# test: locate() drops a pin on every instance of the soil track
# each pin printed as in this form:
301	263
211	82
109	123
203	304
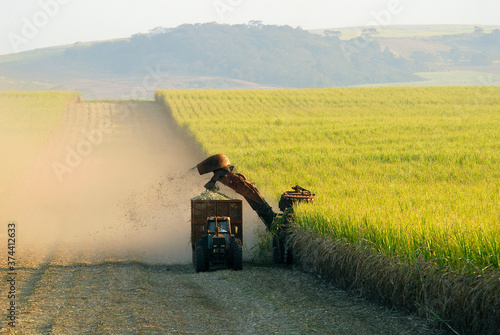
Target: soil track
136	298
102	215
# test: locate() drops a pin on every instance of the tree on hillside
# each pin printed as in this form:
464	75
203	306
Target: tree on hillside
369	32
334	33
422	60
455	54
480	59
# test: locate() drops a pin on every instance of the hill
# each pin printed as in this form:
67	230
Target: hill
242	55
436	47
258	56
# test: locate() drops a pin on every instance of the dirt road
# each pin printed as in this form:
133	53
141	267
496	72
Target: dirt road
135	298
102	226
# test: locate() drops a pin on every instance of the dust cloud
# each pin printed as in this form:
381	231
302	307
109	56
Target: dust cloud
113	183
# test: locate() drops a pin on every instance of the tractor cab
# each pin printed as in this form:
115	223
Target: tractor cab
217	225
218	237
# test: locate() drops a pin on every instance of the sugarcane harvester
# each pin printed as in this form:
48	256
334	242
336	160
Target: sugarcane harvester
276	223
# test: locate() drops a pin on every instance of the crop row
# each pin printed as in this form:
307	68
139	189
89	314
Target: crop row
411	172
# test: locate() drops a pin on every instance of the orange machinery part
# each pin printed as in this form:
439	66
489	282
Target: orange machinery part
213	163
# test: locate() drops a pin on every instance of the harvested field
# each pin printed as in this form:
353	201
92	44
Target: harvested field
136	298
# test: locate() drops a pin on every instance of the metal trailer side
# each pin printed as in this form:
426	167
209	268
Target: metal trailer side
202	209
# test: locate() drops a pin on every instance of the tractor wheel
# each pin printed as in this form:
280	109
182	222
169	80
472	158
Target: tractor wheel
277	254
288	256
237	255
229	256
201	257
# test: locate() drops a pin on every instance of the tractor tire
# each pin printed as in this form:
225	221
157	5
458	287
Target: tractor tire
201	256
229	256
277	254
237	255
288	256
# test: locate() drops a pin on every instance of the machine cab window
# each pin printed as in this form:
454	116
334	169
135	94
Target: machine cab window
222	224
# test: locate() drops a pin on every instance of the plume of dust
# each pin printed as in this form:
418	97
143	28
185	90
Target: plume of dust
149	224
129	200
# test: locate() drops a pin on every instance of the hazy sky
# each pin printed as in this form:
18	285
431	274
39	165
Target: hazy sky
31	24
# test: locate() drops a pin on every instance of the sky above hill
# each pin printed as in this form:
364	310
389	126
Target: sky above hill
31	24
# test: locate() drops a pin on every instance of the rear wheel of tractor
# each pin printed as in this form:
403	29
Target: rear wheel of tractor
237	255
201	257
194	256
288	255
277	255
229	255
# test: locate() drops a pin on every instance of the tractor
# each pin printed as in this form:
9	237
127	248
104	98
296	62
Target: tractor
226	250
218	246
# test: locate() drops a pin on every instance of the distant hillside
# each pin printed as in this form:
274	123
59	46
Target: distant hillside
408	31
258	56
278	56
435	47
